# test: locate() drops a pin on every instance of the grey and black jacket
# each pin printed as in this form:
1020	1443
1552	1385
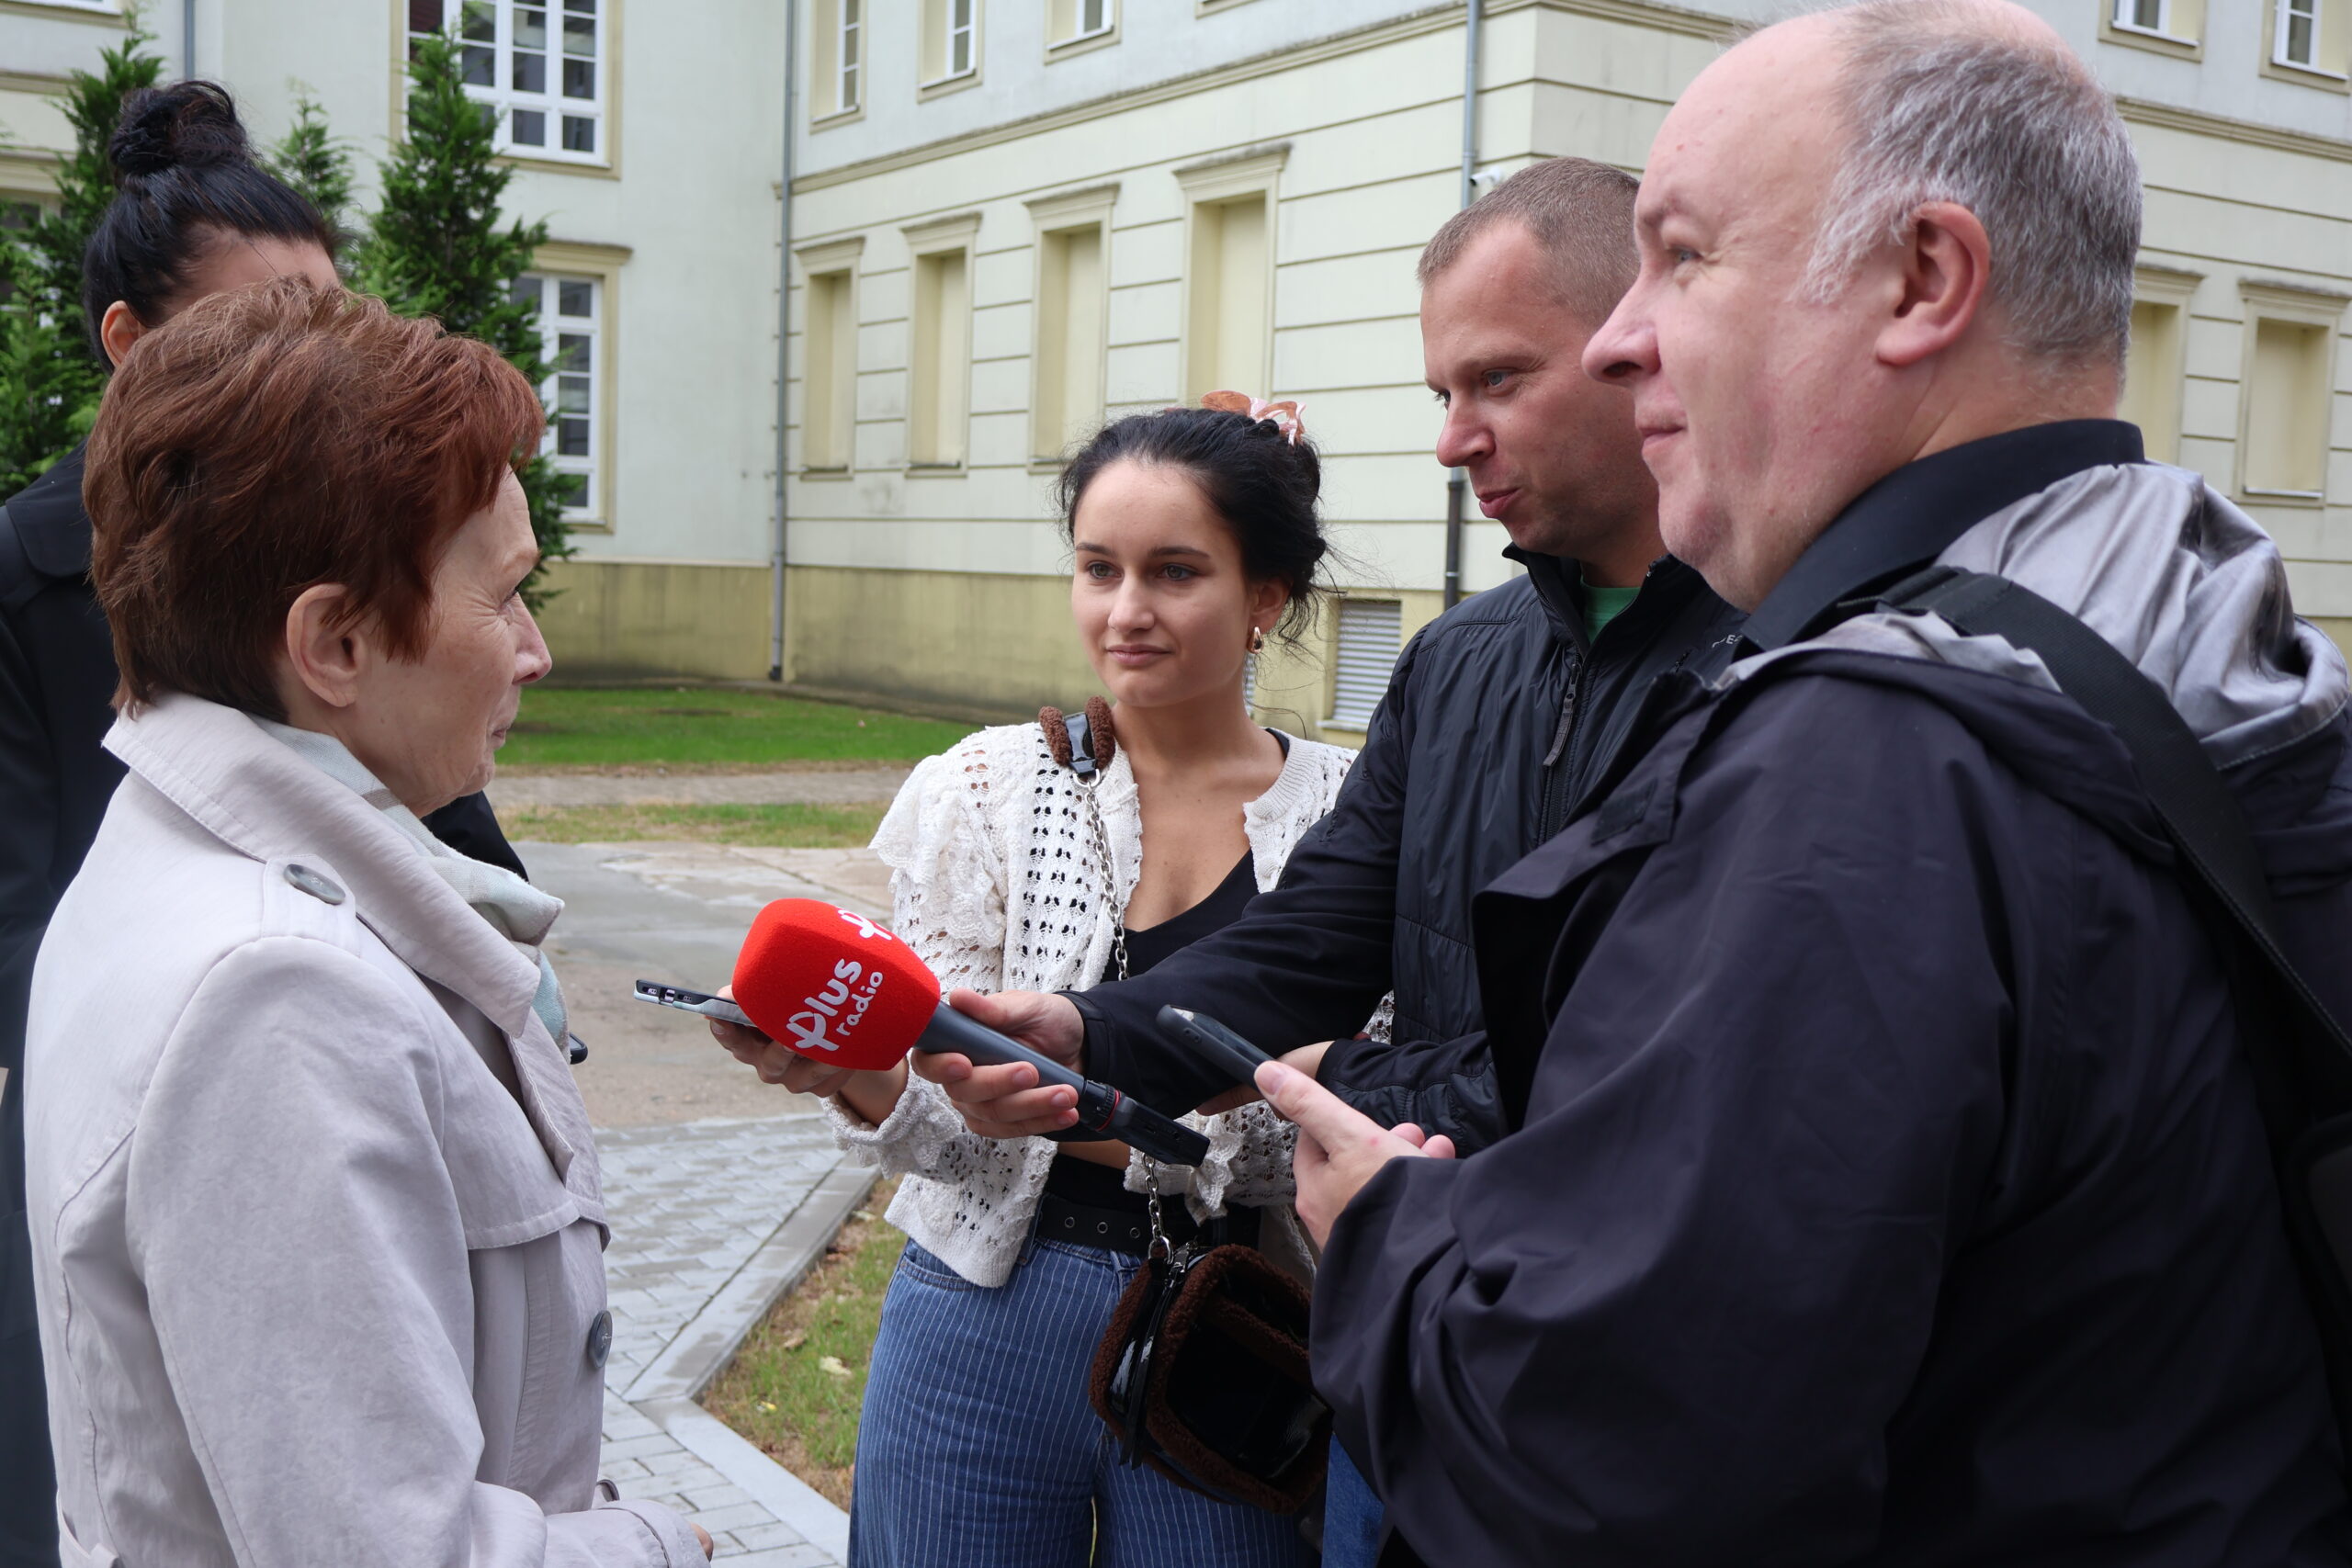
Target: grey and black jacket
1885	1181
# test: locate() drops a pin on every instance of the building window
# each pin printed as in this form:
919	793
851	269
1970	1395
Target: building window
2156	368
837	64
1230	273
2299	33
2311	38
1076	21
2165	27
828	374
1227	323
951	39
1072	303
1369	639
940	368
2286	398
571	330
539	62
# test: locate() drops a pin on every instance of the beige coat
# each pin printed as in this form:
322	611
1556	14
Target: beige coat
317	1231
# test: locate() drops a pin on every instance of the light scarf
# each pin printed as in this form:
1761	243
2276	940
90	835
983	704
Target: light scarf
515	909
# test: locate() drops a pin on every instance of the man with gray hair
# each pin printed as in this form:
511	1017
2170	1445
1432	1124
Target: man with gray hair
1887	1181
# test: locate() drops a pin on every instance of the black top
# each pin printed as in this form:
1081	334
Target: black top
1148	946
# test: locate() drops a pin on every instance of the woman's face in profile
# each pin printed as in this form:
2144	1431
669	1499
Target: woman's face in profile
1162	600
431	726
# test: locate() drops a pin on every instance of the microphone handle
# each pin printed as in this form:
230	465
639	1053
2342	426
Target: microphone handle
1101	1109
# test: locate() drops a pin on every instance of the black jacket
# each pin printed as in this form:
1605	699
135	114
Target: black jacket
1498	715
1886	1185
57	684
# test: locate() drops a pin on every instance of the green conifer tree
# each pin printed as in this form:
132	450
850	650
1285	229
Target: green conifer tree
435	246
51	375
318	166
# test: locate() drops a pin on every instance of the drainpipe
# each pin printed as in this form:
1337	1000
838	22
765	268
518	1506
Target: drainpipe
1457	485
783	337
187	39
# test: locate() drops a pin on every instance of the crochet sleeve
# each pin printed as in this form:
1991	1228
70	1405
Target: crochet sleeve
947	903
947	877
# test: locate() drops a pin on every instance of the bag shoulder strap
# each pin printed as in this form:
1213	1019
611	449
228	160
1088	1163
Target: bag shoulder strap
2200	814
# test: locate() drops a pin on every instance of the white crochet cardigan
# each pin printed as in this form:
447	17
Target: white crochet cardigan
997	883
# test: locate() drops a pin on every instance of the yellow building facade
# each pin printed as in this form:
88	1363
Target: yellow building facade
1010	220
1253	221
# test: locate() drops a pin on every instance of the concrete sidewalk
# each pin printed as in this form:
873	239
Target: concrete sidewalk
712	1222
722	1191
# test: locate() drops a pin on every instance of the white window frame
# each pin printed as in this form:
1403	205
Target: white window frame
941	34
849	56
1067	29
2288	15
594	405
554	107
2118	17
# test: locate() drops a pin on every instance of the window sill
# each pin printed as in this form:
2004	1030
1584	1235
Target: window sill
934	470
2178	48
824	473
91	14
1347	724
947	84
1085	43
2310	499
2314	76
850	116
558	167
587	525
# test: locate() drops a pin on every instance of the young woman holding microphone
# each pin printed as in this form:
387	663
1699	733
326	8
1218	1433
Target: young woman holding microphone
1194	535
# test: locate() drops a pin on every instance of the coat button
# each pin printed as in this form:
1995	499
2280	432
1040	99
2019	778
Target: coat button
324	888
600	1340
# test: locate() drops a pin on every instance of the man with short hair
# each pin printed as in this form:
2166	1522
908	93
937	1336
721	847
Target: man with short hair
1498	718
1886	1183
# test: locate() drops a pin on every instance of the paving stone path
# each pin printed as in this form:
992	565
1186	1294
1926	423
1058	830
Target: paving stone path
711	1222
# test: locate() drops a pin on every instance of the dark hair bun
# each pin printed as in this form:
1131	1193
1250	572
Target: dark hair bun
186	125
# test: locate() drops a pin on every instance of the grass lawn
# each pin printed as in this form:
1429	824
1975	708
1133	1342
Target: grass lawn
783	827
686	725
795	1386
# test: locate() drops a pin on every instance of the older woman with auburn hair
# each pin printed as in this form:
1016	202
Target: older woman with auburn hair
316	1224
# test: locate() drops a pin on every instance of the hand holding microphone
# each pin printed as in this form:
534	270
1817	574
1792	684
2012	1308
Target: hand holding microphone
832	986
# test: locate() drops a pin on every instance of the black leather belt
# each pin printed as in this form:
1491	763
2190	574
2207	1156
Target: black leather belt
1129	1230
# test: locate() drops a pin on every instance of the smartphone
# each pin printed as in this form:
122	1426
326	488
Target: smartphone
684	1000
1214	1042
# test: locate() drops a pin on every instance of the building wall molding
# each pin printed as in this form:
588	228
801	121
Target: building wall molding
1072	208
2195	122
117	20
1438	18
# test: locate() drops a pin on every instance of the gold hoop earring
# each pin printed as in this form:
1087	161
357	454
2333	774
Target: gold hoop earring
1257	639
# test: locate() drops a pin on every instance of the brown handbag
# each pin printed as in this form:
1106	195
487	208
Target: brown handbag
1203	1375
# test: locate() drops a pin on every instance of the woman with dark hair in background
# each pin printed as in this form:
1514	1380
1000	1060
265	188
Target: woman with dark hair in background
194	216
1194	535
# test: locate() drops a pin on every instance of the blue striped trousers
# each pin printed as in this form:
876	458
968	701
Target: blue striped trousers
978	1446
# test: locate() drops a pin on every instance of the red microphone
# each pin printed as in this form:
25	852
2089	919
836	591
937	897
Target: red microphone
831	985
